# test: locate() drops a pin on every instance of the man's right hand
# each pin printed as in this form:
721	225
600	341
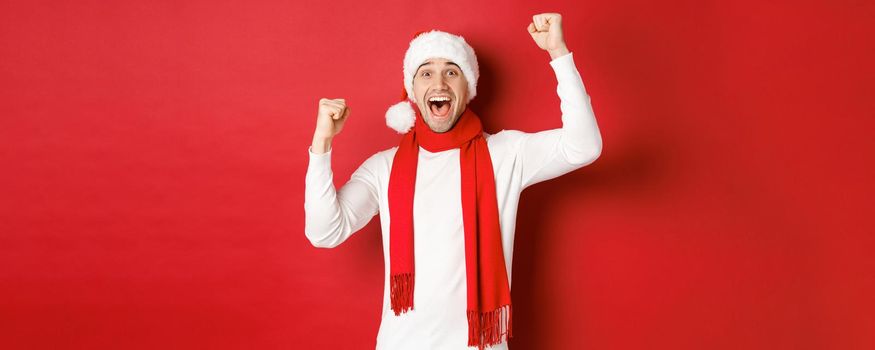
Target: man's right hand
331	117
329	121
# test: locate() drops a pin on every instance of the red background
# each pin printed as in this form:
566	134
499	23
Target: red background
153	159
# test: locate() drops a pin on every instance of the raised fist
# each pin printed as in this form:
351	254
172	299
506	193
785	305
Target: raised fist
331	117
546	31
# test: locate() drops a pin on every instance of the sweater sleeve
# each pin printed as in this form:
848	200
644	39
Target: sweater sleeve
332	216
550	153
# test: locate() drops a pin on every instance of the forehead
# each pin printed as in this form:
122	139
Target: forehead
437	62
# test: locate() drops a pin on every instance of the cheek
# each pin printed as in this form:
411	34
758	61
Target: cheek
461	89
419	90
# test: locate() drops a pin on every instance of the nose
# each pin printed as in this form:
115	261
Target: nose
441	82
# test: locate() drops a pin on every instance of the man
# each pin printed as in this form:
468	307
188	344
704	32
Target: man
448	193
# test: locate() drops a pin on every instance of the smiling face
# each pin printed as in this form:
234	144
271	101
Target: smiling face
441	93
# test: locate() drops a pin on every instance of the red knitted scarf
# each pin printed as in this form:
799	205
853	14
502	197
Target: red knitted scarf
489	307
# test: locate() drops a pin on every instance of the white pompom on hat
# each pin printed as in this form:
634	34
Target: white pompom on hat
432	44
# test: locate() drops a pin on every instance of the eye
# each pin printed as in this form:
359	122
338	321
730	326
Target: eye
425	74
452	72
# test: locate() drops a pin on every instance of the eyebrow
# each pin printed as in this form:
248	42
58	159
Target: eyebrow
430	62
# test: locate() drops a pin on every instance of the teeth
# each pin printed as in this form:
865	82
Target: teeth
438	98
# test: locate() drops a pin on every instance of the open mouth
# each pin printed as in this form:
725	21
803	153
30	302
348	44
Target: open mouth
439	106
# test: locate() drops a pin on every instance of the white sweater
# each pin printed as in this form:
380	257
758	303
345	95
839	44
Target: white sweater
519	159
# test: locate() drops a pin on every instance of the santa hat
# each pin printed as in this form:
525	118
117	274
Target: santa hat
425	45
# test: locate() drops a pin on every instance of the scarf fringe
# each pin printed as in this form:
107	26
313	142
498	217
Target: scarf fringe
402	293
491	327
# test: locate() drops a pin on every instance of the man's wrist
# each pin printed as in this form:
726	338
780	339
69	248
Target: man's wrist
559	52
321	144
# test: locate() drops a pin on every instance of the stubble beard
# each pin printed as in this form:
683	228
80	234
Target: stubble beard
440	126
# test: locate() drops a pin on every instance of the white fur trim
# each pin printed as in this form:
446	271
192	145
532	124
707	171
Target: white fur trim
401	117
441	45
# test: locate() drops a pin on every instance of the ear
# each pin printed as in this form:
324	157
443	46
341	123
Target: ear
401	117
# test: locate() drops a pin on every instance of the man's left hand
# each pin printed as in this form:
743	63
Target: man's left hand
546	31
